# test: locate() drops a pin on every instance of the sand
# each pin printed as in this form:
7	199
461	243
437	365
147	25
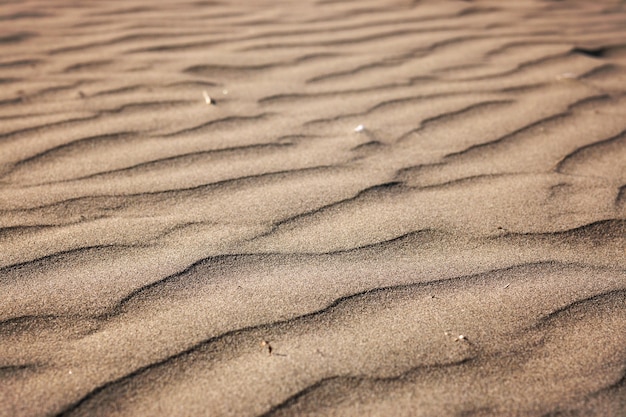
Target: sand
349	208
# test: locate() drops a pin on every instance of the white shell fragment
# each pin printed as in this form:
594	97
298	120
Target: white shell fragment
207	98
359	128
566	76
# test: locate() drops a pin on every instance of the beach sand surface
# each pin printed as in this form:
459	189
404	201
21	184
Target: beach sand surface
312	208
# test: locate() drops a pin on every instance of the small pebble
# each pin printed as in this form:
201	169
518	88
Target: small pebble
267	345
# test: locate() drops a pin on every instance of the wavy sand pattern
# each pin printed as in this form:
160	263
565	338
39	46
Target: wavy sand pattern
464	254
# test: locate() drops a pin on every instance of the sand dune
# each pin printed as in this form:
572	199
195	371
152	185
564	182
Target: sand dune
317	208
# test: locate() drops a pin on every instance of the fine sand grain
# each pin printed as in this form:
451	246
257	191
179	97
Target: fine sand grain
321	207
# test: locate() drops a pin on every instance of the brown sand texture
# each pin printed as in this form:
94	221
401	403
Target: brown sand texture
312	208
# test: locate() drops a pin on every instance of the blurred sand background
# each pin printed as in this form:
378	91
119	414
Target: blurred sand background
322	207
